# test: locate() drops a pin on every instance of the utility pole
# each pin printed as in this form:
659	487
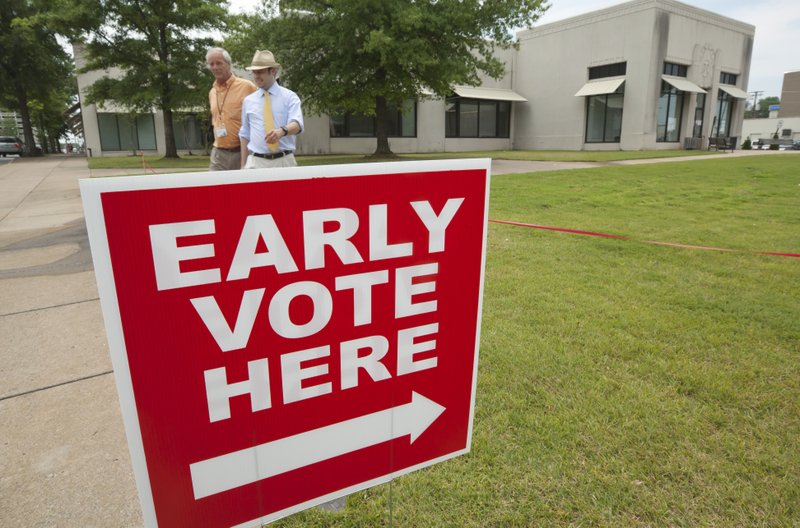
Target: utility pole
755	99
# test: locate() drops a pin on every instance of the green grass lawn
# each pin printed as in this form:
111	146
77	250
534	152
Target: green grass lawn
201	162
156	162
623	383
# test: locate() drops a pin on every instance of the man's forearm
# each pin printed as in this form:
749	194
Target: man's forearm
293	127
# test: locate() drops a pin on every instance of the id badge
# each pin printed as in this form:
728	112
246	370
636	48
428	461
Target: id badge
221	132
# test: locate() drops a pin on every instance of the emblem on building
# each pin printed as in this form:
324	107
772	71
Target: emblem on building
704	60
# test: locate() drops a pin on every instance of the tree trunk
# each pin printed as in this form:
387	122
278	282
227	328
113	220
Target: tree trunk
381	127
27	129
44	141
171	151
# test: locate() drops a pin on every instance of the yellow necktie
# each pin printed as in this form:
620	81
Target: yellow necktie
269	123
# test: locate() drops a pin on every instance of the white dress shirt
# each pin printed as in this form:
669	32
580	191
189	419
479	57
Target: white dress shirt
285	109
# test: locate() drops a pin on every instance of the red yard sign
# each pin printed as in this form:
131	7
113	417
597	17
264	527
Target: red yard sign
284	337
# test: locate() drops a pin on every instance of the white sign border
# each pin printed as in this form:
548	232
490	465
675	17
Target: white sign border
91	191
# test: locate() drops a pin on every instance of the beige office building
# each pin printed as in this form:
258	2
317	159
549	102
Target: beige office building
790	95
646	74
641	75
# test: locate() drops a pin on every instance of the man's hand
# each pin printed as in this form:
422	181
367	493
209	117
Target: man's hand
274	135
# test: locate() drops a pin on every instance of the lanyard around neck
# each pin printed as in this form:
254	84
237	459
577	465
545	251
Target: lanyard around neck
227	91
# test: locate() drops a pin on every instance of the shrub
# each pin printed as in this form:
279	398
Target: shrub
747	145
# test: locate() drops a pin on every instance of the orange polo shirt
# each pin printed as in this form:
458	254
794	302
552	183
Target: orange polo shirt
226	109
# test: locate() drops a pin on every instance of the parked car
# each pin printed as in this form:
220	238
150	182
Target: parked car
10	145
795	145
782	144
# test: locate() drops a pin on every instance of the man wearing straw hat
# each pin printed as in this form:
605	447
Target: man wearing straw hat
271	118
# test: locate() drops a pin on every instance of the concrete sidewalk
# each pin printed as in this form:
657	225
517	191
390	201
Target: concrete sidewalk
63	454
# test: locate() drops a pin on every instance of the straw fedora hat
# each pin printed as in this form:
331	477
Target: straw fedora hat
263	59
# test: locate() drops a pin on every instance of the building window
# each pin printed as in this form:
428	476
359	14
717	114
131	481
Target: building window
604	117
477	118
617	69
188	131
604	111
676	70
670	107
728	78
126	132
699	112
786	133
402	122
670	110
722	123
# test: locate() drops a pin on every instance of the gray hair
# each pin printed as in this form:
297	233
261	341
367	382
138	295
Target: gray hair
225	55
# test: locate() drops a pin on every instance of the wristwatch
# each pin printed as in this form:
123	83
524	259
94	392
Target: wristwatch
285	131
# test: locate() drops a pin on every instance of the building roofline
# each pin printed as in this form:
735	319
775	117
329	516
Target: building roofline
636	6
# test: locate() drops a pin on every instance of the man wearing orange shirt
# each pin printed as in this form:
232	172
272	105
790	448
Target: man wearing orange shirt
225	98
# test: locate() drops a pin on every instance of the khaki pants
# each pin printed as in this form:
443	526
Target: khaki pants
254	162
225	160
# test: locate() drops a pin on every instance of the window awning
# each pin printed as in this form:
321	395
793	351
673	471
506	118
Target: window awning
493	94
601	87
733	91
682	84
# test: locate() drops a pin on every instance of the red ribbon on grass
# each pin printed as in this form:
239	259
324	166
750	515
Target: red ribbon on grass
621	237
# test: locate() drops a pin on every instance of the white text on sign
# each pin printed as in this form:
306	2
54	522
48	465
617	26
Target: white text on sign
365	354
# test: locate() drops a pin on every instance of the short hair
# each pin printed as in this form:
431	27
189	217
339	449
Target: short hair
225	55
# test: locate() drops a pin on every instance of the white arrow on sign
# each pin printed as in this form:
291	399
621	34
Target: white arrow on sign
246	466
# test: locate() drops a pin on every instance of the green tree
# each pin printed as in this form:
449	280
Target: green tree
49	112
765	103
36	71
363	56
761	110
156	44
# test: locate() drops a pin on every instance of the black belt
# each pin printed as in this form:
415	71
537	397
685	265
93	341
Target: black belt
237	149
273	156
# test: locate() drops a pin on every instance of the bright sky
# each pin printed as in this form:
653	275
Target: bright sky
776	46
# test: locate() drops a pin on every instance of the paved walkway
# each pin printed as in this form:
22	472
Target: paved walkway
63	455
